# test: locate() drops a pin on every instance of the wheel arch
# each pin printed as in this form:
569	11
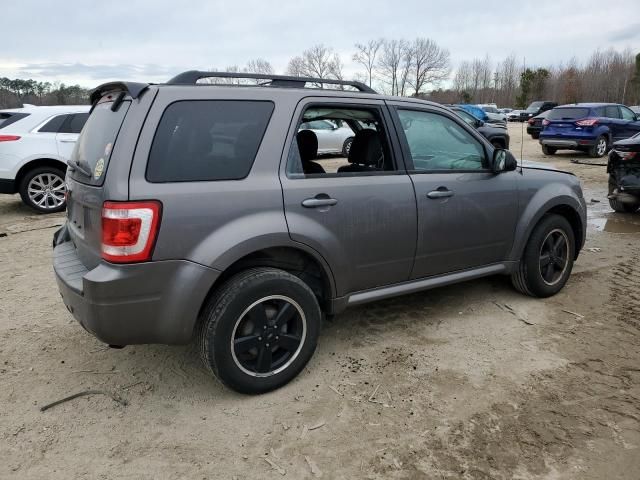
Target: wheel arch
296	260
37	163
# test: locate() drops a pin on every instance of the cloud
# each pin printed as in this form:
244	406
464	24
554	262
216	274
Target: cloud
98	72
626	33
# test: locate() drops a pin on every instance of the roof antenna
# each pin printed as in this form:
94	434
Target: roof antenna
524	66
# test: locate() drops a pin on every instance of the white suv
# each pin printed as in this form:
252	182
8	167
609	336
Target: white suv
35	143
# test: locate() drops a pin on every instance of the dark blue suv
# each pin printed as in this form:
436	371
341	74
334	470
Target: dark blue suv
588	127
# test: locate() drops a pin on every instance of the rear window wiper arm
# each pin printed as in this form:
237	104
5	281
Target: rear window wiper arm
76	166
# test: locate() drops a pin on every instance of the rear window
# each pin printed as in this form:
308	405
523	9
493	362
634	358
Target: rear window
205	140
95	144
74	123
535	106
571	113
7	118
53	125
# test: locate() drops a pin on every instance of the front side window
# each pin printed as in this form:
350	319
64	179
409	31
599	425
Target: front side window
360	149
627	114
207	140
436	142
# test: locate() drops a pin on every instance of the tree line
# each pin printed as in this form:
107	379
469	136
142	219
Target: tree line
16	92
418	68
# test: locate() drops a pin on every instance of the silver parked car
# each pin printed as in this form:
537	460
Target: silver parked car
334	136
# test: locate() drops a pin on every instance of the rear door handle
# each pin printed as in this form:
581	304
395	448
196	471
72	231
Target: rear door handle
319	201
67	140
441	192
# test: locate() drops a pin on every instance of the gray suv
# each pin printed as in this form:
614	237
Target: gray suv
203	211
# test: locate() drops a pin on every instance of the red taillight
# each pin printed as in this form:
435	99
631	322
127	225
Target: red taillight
9	138
530	121
129	230
626	155
587	122
545	122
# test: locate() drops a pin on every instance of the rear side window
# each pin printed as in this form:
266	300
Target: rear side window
7	118
53	125
612	111
74	123
205	140
95	144
571	113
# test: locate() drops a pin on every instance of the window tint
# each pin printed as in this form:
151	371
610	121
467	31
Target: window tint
96	141
7	118
207	140
611	111
74	123
317	125
368	151
53	125
627	114
467	117
568	113
438	143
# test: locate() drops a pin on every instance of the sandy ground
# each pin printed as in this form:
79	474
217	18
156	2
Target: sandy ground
472	381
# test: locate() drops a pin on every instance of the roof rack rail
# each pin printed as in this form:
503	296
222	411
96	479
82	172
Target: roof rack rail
192	76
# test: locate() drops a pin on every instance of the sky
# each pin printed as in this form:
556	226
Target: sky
85	42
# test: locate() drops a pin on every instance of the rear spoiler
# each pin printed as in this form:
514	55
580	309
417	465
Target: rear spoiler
132	88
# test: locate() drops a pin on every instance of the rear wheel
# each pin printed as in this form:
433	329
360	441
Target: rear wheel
346	147
547	259
547	150
617	205
599	148
260	330
43	189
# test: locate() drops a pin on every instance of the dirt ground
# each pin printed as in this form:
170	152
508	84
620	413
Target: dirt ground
472	381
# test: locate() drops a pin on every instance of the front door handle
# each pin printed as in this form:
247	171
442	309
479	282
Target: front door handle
441	192
67	140
321	200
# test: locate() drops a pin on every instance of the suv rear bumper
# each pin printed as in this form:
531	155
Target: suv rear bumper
8	186
153	302
567	143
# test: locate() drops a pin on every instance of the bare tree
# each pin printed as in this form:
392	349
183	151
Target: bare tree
392	64
429	63
259	65
317	62
366	56
296	67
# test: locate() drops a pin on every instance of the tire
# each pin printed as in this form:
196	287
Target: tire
49	181
549	150
346	146
600	148
618	206
248	300
528	277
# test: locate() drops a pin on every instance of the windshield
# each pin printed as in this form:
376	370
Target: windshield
95	144
534	107
570	113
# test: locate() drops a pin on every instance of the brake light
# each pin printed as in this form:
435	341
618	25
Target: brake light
545	122
626	155
530	121
129	230
587	122
9	138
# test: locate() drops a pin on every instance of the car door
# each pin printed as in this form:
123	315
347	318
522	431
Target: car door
362	223
466	213
613	120
69	132
630	125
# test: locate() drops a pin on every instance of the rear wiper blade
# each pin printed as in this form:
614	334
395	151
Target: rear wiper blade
76	166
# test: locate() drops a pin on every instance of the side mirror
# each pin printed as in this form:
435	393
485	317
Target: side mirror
503	161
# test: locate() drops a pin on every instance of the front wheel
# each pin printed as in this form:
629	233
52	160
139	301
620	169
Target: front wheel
547	259
43	189
260	330
599	148
549	150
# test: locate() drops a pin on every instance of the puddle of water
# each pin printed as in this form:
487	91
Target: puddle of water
619	224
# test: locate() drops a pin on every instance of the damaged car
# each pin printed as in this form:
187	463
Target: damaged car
623	168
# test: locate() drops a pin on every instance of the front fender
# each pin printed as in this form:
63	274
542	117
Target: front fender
551	195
